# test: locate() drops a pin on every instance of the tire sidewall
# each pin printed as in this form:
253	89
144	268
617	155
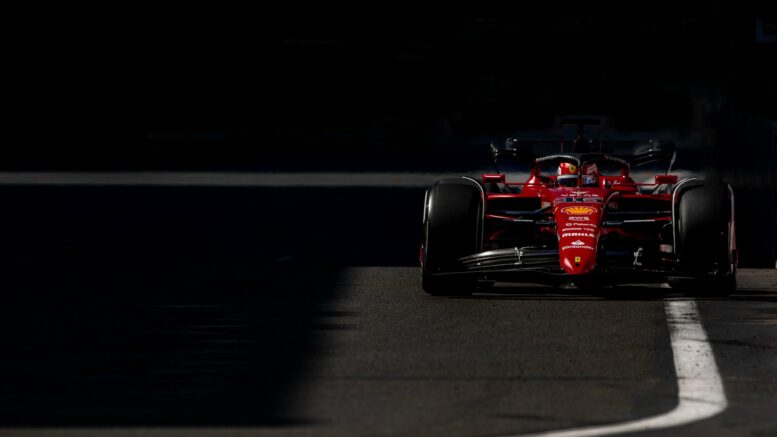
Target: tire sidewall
453	226
703	218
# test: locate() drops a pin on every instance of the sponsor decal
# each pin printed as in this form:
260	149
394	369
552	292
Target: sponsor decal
577	247
579	218
578	227
577	234
578	243
577	259
578	210
583	193
588	198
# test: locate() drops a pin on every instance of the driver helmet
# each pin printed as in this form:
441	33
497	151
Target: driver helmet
567	174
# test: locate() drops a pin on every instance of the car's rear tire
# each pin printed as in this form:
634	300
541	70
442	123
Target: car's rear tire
704	225
452	228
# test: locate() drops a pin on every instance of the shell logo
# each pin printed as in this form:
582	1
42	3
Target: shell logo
578	210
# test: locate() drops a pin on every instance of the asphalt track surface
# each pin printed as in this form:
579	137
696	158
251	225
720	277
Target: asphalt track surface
272	310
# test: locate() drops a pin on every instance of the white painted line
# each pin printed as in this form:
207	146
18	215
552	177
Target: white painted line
227	179
242	179
699	385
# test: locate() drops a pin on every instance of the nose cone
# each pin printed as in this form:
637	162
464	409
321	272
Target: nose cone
578	227
578	262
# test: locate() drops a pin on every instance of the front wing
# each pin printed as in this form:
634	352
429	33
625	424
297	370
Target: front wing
522	265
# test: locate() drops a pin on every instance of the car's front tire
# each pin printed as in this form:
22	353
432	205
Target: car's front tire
453	219
704	218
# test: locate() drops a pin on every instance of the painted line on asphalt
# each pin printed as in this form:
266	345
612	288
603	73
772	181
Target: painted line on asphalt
699	385
227	179
245	179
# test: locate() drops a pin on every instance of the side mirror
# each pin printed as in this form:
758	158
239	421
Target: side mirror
493	178
666	179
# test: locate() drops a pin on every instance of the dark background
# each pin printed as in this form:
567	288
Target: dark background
348	85
197	85
109	293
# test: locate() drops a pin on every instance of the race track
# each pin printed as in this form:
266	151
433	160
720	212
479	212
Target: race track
261	309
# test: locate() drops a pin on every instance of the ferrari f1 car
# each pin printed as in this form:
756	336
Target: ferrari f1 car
579	218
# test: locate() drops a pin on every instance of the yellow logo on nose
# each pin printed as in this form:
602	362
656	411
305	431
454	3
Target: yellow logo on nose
578	210
577	259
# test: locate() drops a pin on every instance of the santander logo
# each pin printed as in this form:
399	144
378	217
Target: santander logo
578	243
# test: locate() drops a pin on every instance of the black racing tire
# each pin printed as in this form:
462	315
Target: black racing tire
703	214
452	229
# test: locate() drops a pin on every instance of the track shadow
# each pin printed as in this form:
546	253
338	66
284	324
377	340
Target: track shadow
747	295
177	306
615	293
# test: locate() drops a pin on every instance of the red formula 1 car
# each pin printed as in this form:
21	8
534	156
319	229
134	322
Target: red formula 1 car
579	218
